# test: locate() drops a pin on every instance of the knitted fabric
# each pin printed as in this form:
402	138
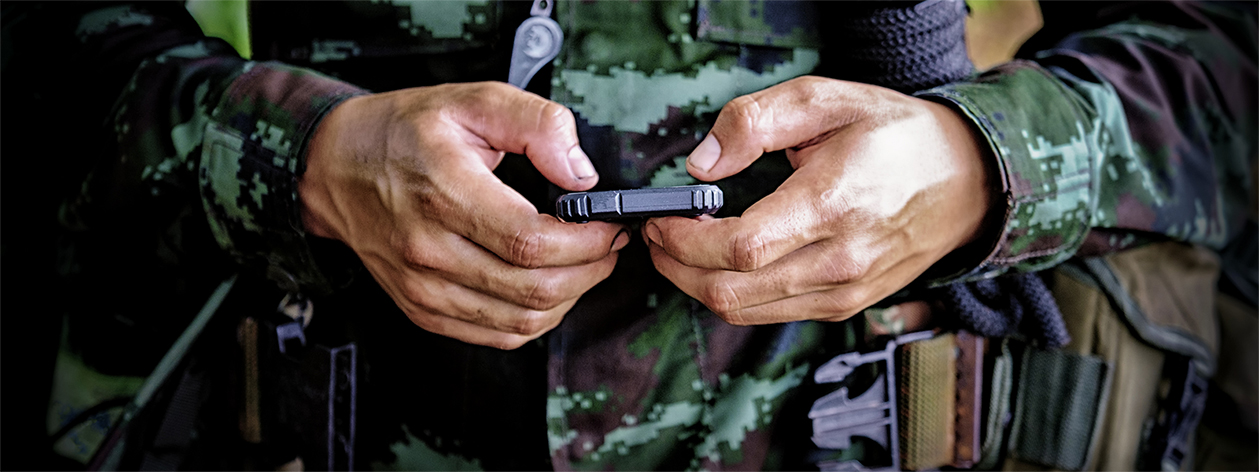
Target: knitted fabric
1007	305
904	46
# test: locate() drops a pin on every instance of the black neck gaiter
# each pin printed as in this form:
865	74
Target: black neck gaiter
904	46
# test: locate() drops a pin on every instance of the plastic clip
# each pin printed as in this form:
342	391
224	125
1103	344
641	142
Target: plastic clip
837	418
1171	438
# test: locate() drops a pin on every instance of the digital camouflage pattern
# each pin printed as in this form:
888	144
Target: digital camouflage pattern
1136	132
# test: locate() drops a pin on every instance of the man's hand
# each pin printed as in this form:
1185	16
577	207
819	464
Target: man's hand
404	179
885	186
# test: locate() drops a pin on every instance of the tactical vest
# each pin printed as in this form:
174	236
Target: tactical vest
1127	391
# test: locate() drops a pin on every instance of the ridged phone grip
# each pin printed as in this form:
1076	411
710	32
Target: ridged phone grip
689	200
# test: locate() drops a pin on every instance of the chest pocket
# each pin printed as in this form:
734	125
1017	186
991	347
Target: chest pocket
784	24
646	80
321	32
386	45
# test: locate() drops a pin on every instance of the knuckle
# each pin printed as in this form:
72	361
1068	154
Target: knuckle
809	91
414	293
842	304
487	89
555	116
722	300
413	254
425	318
845	267
745	111
480	95
544	294
809	86
529	323
747	252
526	249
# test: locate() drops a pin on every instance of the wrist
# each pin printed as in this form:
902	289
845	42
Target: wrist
318	209
977	185
981	204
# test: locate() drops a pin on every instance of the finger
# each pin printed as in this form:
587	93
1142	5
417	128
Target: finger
468	332
810	269
467	264
433	294
782	222
717	290
516	121
426	294
817	268
536	241
787	115
836	304
475	204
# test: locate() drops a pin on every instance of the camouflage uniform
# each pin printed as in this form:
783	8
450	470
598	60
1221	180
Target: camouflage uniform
1140	130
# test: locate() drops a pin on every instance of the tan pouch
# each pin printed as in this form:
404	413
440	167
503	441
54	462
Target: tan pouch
1131	309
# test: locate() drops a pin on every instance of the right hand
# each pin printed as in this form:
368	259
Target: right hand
405	180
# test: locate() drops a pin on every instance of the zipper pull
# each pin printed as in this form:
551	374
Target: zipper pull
537	42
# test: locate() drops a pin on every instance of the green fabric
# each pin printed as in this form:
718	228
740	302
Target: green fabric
1001	384
221	140
1059	404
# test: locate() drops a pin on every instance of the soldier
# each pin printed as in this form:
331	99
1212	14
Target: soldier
842	195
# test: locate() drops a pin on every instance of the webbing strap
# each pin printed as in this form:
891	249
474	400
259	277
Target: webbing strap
970	396
108	455
175	433
1058	407
927	399
1002	385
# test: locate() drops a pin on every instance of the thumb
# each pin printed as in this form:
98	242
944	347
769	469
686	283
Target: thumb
791	114
516	121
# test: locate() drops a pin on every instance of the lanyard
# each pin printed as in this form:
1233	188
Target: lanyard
537	42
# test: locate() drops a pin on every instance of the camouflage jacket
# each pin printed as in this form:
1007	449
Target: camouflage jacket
1124	132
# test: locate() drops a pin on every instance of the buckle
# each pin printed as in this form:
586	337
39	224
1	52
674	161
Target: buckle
838	418
1169	441
937	423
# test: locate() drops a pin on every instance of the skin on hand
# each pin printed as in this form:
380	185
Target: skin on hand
405	180
885	186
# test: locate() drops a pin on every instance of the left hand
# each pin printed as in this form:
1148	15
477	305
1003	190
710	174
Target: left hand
885	185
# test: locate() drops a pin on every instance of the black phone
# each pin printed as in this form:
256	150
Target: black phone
687	200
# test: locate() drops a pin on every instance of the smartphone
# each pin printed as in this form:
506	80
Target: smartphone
688	200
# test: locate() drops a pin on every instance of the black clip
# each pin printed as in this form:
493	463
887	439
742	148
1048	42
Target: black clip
1170	437
288	332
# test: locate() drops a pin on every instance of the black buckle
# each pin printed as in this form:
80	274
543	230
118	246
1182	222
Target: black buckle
1169	441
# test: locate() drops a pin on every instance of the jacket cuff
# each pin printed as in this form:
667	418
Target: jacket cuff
1044	138
253	154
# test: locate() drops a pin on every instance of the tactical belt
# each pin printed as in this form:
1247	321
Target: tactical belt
929	412
298	397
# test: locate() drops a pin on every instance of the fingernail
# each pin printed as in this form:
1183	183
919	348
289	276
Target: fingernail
579	164
705	155
622	239
653	234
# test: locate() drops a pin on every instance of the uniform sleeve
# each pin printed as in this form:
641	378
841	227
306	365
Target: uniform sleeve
196	121
1135	132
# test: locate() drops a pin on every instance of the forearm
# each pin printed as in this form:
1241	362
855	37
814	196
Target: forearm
1118	136
196	122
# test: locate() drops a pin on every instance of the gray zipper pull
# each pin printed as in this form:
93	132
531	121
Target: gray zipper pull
537	42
